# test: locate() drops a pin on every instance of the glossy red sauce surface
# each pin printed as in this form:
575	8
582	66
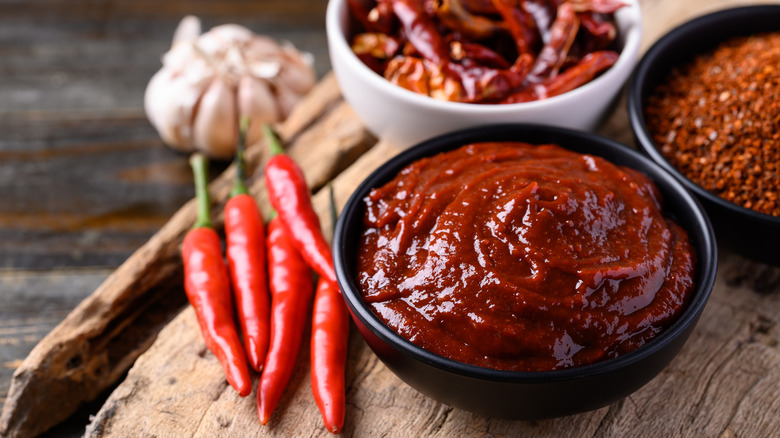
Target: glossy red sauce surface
521	257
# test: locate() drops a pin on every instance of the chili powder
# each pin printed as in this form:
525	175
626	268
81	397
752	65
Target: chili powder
717	120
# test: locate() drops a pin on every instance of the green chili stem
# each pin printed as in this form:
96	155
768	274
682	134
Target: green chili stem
199	165
239	187
273	140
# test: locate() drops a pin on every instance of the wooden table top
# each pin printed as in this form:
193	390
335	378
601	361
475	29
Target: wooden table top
85	180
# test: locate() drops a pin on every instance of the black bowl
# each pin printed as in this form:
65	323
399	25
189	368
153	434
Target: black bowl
526	395
747	232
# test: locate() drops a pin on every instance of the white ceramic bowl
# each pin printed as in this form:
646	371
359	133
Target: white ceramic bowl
405	118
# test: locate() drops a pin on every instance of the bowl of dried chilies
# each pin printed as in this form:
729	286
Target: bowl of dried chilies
415	69
704	102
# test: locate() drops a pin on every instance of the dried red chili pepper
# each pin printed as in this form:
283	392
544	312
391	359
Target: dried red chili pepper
329	339
289	195
378	45
245	250
381	17
375	49
420	31
479	54
602	31
481	83
520	23
484	7
599	6
488	51
359	10
409	73
553	54
208	288
584	71
454	15
291	285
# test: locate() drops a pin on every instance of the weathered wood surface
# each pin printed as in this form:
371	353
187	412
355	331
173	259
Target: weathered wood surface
723	384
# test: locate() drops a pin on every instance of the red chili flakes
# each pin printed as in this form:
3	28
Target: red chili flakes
717	120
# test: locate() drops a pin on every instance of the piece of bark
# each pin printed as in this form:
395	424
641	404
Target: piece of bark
101	338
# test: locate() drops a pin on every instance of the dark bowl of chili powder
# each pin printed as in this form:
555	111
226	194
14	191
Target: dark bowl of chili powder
529	394
704	103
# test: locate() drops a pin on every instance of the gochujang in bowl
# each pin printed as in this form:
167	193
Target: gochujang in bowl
524	271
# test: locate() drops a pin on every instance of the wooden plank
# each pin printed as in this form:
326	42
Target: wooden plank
31	304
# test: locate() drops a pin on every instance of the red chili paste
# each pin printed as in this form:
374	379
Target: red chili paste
520	257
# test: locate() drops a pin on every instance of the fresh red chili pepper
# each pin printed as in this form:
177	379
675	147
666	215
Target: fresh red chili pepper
329	339
289	195
245	242
208	288
291	285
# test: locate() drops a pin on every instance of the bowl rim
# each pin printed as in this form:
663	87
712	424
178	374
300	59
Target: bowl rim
706	264
629	22
635	95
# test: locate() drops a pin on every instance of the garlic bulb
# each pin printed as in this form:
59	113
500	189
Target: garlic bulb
210	80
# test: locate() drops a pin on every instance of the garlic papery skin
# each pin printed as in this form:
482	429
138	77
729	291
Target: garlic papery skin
208	81
213	129
256	101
